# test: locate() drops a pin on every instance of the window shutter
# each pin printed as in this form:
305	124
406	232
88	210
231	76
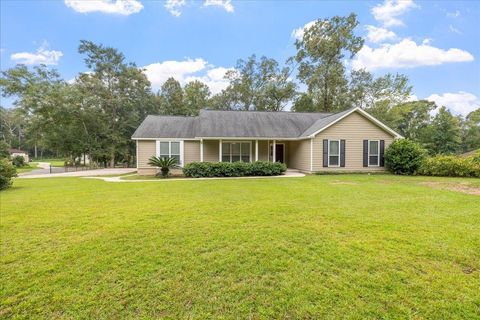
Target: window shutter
325	152
382	151
365	153
342	153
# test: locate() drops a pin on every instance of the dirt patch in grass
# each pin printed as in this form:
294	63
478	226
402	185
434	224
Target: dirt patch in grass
459	187
344	183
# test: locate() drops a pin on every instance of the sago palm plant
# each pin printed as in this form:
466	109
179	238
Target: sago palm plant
165	164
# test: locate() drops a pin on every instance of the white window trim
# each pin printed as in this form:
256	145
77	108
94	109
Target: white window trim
234	141
157	148
339	152
378	154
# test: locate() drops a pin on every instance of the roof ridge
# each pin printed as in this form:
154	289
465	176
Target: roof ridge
267	111
170	116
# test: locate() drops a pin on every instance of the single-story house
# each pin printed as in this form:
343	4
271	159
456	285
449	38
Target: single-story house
350	140
17	152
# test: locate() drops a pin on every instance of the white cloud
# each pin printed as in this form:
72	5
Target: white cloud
185	71
454	30
298	33
412	97
454	14
225	4
214	79
42	56
388	13
173	6
407	54
458	103
376	34
122	7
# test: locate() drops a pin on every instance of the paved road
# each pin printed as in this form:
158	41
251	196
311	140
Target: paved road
45	169
44	173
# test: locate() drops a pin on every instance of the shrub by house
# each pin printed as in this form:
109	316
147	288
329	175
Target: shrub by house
235	169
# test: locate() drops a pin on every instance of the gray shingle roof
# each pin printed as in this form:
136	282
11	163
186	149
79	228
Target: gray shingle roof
237	124
212	123
166	127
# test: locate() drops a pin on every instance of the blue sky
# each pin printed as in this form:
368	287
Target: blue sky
435	43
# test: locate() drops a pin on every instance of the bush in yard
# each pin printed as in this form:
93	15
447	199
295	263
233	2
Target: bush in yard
404	156
235	169
451	166
4	149
18	161
7	172
165	164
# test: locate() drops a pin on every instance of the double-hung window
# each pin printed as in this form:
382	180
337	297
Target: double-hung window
333	153
236	151
373	153
170	149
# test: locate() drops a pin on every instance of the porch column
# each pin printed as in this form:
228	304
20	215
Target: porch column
201	150
274	156
256	150
268	150
220	151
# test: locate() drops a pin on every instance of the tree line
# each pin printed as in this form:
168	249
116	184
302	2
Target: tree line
97	113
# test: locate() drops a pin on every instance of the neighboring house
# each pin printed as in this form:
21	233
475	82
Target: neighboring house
18	152
350	140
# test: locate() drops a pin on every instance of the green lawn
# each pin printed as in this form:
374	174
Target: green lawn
53	161
28	167
319	247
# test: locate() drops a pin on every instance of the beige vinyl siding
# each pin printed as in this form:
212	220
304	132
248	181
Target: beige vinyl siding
299	155
262	151
354	129
146	171
210	150
191	151
146	149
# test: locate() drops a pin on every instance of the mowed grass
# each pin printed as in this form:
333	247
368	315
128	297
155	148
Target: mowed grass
28	167
319	247
53	161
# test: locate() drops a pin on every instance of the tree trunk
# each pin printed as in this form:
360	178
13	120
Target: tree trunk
112	160
36	155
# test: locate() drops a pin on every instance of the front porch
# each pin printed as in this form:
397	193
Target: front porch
245	150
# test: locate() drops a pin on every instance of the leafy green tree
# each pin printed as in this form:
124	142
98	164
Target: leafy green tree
120	91
259	85
411	119
303	103
37	94
471	131
445	133
386	91
320	55
196	97
171	99
220	101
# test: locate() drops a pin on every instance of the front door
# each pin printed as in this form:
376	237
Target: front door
280	152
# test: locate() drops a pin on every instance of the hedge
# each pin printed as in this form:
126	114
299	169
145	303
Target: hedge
451	166
235	169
